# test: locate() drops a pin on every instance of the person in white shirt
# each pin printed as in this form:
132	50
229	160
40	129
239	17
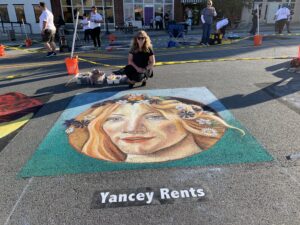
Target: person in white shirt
86	26
96	20
158	22
281	17
48	29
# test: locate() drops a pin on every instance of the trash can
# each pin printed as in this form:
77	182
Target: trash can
11	35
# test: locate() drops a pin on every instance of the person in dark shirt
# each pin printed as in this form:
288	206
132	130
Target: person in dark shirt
141	59
254	22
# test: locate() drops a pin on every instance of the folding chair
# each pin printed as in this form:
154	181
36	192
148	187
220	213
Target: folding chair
176	33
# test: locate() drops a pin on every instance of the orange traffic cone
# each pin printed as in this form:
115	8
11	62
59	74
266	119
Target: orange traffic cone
28	42
257	40
2	50
72	65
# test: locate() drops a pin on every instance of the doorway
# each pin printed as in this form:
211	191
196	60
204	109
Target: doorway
148	14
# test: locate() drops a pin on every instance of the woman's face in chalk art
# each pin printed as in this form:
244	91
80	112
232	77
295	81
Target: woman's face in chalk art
136	130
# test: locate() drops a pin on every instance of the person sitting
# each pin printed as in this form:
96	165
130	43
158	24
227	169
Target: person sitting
141	60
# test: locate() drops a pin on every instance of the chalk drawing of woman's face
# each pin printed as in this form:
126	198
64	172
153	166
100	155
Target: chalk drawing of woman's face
134	129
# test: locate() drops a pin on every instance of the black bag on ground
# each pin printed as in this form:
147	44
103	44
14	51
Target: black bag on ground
215	38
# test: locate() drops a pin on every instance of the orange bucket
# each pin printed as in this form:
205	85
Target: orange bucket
72	65
2	50
257	40
28	42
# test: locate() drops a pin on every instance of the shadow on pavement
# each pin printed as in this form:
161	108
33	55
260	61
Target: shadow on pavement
275	90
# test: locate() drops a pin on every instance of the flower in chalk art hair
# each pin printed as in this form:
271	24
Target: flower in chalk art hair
185	114
209	132
155	100
76	123
70	130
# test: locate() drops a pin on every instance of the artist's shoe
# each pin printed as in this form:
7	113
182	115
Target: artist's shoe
143	83
49	54
130	86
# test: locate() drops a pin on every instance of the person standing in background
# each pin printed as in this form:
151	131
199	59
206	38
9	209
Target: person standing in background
96	20
190	17
166	20
48	29
158	22
254	22
281	17
207	15
86	26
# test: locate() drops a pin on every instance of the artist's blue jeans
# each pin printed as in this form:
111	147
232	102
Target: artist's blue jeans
206	33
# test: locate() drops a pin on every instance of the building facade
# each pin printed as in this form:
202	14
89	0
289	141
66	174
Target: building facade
13	11
117	12
268	9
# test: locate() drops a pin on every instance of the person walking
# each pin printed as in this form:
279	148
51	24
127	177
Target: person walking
281	18
207	15
254	22
96	20
48	29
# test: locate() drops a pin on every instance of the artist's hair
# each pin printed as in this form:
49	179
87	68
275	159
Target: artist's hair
43	4
147	43
206	127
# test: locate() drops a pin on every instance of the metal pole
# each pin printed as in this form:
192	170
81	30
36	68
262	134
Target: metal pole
257	8
105	19
74	35
24	29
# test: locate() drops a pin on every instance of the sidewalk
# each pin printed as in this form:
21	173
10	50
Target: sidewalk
196	30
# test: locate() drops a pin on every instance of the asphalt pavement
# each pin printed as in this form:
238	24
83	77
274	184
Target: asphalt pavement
252	82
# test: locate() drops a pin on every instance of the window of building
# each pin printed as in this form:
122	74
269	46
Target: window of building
128	12
110	14
108	2
37	12
88	3
70	8
67	13
4	17
66	2
169	10
98	3
20	13
138	12
158	9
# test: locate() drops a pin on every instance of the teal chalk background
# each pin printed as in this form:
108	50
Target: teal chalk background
55	156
